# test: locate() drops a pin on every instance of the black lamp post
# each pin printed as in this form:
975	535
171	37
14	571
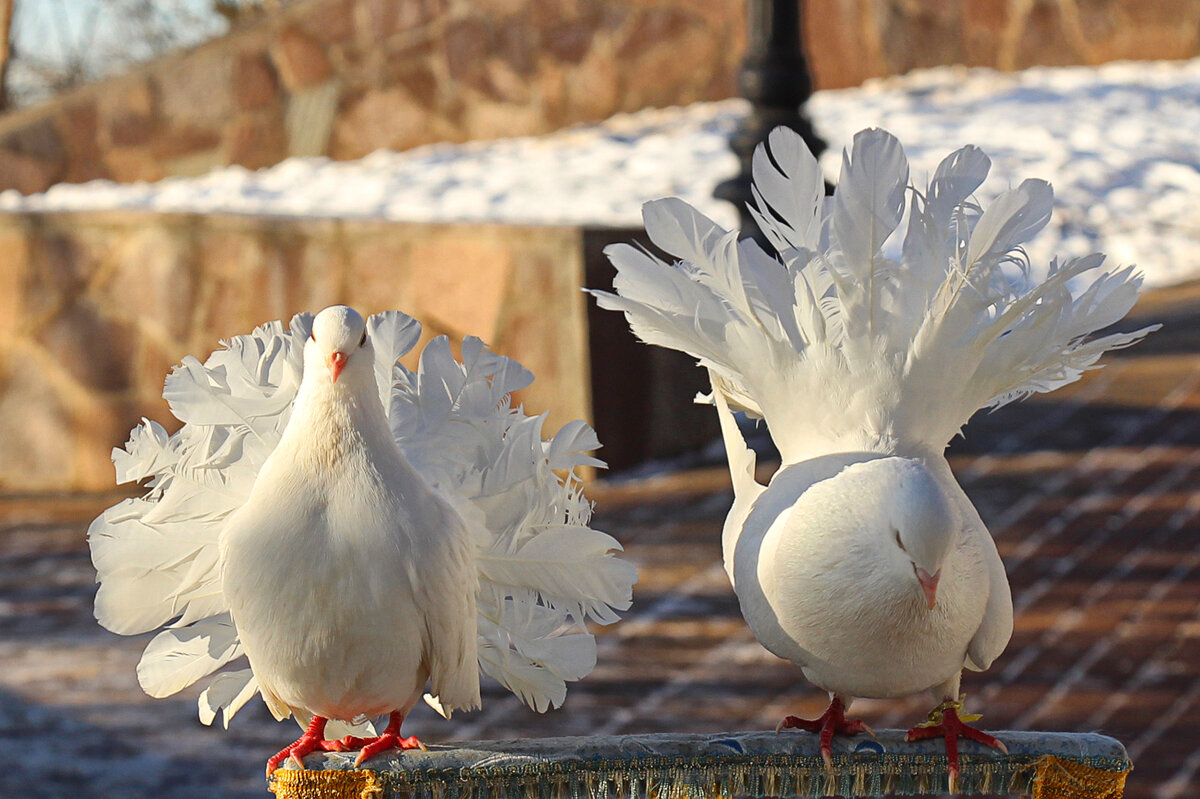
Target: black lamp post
775	79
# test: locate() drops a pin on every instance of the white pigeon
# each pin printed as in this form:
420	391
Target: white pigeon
356	531
863	561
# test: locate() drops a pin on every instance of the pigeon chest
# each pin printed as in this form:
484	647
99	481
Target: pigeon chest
320	587
876	637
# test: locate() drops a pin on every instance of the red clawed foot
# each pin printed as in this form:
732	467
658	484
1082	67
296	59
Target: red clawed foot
390	739
944	722
313	740
832	722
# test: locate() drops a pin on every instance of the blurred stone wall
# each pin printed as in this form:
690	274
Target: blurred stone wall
95	308
852	40
345	77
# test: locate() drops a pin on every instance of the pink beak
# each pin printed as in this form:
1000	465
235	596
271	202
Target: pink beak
337	362
929	584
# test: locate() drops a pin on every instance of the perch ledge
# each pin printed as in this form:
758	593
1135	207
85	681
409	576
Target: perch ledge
752	764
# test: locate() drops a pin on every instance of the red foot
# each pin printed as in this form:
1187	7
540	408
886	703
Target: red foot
313	740
390	739
832	722
945	723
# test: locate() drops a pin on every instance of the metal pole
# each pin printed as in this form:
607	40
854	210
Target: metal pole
775	79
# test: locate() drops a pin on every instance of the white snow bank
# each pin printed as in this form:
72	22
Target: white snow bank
1118	142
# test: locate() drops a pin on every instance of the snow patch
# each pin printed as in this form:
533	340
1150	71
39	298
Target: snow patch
1118	142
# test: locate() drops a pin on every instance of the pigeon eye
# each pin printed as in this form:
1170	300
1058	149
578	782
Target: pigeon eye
363	340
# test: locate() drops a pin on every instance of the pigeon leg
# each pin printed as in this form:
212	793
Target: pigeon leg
313	740
944	722
390	739
832	722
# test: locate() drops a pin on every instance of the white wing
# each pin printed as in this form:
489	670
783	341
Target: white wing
841	346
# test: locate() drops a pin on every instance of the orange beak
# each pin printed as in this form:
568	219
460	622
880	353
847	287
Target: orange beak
929	584
337	362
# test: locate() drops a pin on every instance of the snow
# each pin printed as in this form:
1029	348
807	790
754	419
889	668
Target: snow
1118	142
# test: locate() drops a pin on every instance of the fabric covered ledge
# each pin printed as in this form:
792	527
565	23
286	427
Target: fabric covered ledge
756	764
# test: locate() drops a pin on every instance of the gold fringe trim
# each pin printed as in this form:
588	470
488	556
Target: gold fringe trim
1065	779
306	784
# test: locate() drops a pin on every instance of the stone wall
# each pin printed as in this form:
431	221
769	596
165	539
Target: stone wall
95	308
852	40
345	77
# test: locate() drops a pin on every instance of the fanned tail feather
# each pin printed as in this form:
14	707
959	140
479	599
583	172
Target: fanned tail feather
156	557
544	571
851	339
226	695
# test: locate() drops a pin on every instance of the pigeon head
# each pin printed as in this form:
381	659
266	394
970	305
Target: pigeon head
900	501
339	344
924	524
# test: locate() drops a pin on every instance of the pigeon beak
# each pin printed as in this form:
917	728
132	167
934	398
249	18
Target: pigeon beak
337	362
929	584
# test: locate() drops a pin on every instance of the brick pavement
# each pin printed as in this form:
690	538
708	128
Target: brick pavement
1093	495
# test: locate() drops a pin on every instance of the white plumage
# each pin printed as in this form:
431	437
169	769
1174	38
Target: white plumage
355	536
863	561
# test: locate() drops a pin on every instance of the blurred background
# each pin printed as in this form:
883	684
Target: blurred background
176	172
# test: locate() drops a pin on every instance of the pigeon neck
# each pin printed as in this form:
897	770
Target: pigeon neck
329	416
